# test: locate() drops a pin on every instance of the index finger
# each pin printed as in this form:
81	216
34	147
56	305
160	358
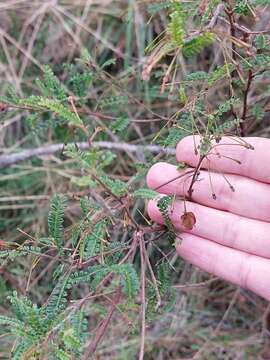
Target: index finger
230	156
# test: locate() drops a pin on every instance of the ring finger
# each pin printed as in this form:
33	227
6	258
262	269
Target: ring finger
227	229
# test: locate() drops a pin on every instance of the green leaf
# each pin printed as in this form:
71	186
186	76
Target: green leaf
111	61
120	124
56	219
197	76
62	355
258	112
50	85
196	45
261	42
117	187
39	103
145	193
130	278
58	298
92	242
220	73
70	340
164	205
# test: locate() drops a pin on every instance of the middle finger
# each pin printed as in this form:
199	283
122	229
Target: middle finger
227	229
250	198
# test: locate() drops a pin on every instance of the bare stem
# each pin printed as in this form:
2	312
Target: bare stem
143	298
11	159
102	328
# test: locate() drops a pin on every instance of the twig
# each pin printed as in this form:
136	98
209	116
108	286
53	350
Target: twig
143	298
217	12
196	285
8	160
155	282
244	29
194	177
101	330
245	104
217	329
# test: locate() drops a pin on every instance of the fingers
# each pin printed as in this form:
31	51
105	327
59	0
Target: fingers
254	163
251	198
248	271
227	229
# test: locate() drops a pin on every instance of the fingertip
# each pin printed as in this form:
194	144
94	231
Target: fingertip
197	250
153	175
184	245
153	211
185	148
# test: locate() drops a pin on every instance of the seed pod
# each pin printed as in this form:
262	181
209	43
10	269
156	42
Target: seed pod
188	220
3	107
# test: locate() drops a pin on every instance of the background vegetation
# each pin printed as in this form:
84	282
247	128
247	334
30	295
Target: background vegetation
114	85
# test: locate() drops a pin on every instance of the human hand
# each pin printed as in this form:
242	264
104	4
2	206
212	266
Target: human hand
231	237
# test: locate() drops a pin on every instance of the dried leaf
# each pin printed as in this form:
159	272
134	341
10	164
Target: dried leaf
188	220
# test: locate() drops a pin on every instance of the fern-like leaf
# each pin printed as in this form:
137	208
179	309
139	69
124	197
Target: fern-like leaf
91	244
56	219
50	85
145	193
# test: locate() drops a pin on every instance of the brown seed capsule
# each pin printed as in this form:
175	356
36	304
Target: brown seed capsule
188	220
3	107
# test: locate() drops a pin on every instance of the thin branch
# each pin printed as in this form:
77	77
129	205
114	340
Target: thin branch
245	104
11	159
194	177
143	295
102	329
217	12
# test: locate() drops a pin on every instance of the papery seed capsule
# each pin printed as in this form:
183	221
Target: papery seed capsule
3	107
188	220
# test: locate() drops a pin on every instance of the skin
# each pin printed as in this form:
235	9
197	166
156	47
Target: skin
231	237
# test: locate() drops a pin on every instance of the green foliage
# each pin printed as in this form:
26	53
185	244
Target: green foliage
95	274
197	76
79	325
166	292
176	27
260	2
90	253
117	187
155	8
120	124
261	42
241	7
145	193
56	220
175	135
258	112
11	254
91	245
164	206
62	355
39	103
113	101
79	81
183	127
91	159
88	205
129	279
196	45
220	73
50	85
58	298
